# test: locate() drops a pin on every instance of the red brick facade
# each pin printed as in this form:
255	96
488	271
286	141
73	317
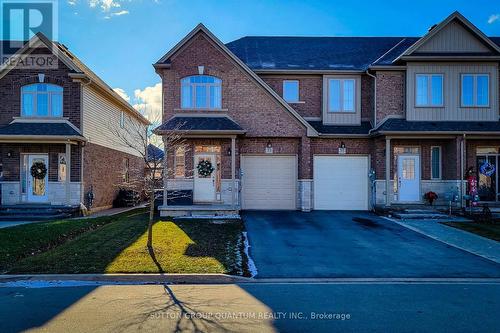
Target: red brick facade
390	94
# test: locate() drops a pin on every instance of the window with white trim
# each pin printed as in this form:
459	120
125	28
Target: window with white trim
475	90
436	162
180	162
201	92
62	167
41	100
291	90
341	95
429	90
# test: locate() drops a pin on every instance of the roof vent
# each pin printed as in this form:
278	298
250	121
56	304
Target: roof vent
432	27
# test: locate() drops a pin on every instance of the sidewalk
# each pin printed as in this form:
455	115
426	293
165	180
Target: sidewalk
461	239
112	211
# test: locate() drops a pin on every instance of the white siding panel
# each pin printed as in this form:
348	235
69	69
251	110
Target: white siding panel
453	38
452	110
101	118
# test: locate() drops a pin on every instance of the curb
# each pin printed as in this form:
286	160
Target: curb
146	279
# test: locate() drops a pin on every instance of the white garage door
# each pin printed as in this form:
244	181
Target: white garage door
341	182
268	182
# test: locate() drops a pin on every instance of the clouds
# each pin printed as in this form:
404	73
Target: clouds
147	101
110	8
120	13
493	18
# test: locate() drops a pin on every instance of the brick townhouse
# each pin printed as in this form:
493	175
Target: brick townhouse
329	122
59	132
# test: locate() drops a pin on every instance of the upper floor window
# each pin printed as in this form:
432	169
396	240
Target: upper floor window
291	91
429	90
42	100
201	92
341	95
475	90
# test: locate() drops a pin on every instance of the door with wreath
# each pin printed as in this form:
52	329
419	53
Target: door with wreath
37	178
204	178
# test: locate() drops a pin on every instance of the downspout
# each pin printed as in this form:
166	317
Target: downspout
462	165
374	97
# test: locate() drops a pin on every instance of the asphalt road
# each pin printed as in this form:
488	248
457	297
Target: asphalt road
352	245
254	308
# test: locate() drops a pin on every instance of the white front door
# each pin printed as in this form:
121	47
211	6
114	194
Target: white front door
204	185
37	189
409	178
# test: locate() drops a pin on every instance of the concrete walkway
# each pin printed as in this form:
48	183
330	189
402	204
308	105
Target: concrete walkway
112	211
461	239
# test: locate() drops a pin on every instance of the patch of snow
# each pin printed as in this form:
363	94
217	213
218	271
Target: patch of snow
251	264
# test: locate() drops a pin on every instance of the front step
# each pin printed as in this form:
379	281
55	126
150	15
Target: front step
37	212
419	214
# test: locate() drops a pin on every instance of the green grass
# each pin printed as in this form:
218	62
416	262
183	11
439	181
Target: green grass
491	231
31	239
120	247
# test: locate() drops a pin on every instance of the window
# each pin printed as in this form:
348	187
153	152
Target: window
61	170
341	95
180	162
435	162
429	90
291	90
122	119
475	90
201	92
126	170
42	100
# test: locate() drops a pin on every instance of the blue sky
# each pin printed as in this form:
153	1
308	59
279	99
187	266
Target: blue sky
120	39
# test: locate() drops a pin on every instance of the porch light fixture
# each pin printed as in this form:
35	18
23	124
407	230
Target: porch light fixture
201	70
10	153
269	145
228	152
41	78
342	145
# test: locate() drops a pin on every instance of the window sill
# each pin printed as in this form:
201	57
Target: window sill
475	107
429	106
296	102
198	110
342	112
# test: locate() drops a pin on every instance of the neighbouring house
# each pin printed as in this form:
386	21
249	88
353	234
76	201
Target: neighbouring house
154	158
330	122
58	132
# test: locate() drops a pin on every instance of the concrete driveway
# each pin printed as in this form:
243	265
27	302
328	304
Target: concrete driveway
352	244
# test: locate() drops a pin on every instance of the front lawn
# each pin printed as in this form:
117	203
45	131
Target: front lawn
491	231
120	247
22	241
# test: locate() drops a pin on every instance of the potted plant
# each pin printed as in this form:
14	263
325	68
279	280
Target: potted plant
430	197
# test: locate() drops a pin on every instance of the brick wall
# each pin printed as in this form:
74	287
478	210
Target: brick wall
103	171
310	92
12	164
390	94
242	98
10	91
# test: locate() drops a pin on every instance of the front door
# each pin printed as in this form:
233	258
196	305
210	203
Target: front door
408	178
37	188
204	182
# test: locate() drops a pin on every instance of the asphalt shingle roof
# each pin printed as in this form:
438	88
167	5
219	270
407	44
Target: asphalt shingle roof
199	124
155	153
362	129
320	53
34	129
397	125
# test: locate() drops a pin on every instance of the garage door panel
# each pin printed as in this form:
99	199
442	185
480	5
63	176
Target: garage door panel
341	182
269	182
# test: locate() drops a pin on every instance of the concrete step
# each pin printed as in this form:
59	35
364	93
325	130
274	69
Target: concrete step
420	216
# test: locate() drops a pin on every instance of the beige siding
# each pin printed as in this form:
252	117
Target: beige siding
452	109
453	38
342	118
101	118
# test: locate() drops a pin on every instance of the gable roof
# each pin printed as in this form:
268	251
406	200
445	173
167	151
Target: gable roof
77	68
154	153
455	16
164	62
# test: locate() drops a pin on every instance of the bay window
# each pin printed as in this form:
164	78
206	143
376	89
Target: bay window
41	100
